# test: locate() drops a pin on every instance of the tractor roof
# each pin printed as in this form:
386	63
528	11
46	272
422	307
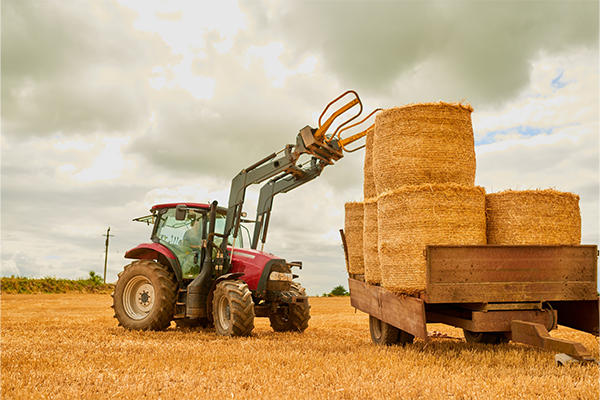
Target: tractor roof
173	205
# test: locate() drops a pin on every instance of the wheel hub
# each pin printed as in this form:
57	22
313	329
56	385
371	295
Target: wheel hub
224	313
145	298
138	297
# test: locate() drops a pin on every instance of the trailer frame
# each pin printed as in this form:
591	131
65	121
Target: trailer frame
519	292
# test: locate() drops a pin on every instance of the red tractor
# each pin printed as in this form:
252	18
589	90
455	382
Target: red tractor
201	270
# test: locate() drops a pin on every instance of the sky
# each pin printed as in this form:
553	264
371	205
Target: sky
110	107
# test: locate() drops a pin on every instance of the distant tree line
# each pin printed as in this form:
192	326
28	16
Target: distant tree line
337	291
21	285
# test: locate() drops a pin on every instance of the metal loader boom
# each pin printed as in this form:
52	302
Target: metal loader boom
285	173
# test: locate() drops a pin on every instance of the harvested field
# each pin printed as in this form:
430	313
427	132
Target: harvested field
69	346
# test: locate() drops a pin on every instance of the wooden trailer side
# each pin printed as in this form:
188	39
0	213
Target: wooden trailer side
495	274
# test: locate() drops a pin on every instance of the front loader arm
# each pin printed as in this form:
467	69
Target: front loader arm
285	173
280	184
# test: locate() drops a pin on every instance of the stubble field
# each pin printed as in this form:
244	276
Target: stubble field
69	347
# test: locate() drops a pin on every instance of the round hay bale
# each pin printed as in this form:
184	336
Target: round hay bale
533	217
353	229
424	143
413	217
370	240
369	190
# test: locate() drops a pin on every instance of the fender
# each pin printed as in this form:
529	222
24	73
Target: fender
226	277
261	289
155	251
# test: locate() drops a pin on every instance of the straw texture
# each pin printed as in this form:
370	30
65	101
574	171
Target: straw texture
533	217
370	241
424	143
369	190
353	229
415	216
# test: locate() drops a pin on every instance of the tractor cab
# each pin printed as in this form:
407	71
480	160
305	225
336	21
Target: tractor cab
183	229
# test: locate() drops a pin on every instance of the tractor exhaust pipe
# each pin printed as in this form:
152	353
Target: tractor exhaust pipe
197	291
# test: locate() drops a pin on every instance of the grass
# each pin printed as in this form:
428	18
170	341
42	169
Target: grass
69	346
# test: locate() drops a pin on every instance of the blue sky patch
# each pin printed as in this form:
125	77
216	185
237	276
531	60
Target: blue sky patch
522	130
558	83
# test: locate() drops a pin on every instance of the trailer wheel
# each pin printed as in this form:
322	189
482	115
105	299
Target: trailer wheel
144	296
405	337
233	309
383	333
484	337
294	317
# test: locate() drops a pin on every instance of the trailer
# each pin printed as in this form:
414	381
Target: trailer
495	293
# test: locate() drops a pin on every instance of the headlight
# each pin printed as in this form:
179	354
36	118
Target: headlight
280	276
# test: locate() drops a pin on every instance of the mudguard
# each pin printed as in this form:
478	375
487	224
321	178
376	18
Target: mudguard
155	251
226	277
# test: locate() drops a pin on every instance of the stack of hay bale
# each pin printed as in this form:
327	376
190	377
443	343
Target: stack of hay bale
419	190
424	173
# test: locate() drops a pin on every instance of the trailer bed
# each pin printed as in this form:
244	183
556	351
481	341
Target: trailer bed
520	292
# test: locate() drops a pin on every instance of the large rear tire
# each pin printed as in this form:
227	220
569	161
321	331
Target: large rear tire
294	317
144	296
233	309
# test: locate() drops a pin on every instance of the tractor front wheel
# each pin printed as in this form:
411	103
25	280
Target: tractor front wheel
144	296
292	317
233	308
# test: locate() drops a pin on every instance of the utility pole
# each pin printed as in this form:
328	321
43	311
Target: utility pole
106	251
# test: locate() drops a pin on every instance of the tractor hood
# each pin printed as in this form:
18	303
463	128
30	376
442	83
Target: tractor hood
252	263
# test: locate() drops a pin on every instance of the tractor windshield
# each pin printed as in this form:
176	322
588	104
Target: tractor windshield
242	239
184	237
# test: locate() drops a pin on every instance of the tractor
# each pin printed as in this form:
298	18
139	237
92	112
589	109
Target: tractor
203	267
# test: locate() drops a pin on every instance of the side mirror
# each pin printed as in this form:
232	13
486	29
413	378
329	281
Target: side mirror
180	212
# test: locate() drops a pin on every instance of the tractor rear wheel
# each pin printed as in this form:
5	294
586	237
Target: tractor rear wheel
293	317
233	309
385	334
144	296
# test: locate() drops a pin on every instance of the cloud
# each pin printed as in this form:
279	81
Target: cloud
482	50
76	70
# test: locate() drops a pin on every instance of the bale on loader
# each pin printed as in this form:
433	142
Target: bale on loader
353	230
533	217
424	143
412	217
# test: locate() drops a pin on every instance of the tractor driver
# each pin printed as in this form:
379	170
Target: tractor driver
192	238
